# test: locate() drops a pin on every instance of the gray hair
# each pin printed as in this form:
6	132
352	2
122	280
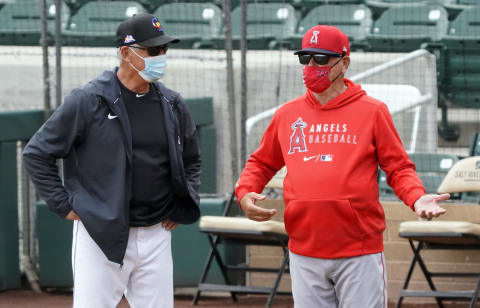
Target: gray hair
119	54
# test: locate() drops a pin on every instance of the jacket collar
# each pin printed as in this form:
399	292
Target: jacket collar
106	85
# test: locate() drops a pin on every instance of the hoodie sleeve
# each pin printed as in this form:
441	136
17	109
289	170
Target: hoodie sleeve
262	165
394	160
53	141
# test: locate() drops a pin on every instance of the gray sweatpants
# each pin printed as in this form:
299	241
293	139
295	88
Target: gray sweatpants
357	282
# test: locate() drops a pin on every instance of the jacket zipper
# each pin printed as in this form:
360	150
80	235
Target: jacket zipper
171	108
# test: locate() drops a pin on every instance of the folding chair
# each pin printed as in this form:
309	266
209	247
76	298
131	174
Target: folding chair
243	231
445	235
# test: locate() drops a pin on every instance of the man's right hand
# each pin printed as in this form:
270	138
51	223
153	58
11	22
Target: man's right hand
254	212
72	216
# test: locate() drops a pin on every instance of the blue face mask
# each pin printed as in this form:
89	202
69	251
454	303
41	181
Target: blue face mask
154	67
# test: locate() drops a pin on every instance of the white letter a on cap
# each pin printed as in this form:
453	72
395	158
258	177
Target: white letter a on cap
314	38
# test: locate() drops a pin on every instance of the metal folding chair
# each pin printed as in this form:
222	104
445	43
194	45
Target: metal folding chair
242	231
445	235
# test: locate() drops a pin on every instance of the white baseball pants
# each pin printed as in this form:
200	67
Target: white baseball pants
357	282
146	277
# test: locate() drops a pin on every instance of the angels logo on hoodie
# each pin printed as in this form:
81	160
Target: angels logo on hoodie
297	140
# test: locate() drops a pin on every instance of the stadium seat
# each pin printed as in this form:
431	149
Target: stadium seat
305	6
190	22
268	25
3	2
380	6
468	2
20	22
458	65
152	5
462	59
75	5
237	3
354	20
96	22
406	28
430	167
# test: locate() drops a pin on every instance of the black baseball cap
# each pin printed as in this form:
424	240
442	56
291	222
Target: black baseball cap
142	29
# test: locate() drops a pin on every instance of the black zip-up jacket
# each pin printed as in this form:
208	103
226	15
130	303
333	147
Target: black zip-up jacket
90	131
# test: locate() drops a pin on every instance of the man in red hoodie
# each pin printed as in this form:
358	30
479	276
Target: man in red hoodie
332	140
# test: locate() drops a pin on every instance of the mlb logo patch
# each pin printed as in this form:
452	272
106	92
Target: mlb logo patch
129	39
326	157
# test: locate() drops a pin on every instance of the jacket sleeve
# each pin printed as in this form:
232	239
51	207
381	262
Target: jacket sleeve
53	141
191	151
394	160
262	165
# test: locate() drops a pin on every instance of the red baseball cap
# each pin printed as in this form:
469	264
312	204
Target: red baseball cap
323	39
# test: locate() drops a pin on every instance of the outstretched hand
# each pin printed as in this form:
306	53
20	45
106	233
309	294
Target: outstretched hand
427	206
254	212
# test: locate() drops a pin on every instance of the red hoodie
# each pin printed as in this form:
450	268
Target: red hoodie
332	153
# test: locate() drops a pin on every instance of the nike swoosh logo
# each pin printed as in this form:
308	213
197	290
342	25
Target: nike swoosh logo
140	95
311	157
111	117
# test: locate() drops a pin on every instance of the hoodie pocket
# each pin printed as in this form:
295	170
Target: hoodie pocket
323	228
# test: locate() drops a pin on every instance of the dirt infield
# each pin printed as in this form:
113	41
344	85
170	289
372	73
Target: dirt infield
28	299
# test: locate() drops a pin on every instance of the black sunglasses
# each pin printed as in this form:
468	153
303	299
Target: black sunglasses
320	59
154	51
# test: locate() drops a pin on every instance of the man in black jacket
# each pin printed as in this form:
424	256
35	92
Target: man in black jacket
131	173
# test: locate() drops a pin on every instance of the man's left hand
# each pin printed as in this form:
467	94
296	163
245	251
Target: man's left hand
427	206
169	225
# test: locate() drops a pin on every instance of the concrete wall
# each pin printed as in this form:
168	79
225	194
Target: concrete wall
398	253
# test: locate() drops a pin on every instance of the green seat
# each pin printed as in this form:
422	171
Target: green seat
406	28
458	66
149	5
430	167
460	58
20	22
95	23
237	3
307	5
152	5
380	6
75	5
3	2
268	24
468	2
354	20
190	22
